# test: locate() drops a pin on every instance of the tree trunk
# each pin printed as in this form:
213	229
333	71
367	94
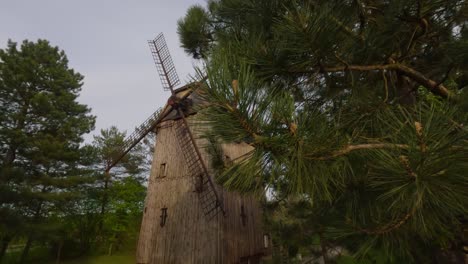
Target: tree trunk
37	214
105	199
10	155
5	242
105	195
25	253
11	152
324	249
59	252
406	90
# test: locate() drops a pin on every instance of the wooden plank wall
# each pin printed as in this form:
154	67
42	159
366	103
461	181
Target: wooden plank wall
187	236
241	240
238	240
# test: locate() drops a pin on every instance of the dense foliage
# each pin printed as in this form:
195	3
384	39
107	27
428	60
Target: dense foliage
357	112
54	195
40	133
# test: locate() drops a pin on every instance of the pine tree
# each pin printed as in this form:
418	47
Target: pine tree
357	112
41	129
108	209
134	164
109	195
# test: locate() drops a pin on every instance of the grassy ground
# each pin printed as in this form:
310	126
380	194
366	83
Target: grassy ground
117	259
41	255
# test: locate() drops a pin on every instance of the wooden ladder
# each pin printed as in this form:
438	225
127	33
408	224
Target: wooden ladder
207	193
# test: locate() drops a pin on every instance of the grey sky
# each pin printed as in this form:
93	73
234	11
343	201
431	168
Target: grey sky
106	41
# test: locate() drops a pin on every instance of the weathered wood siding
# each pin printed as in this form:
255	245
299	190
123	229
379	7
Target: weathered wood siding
241	240
187	236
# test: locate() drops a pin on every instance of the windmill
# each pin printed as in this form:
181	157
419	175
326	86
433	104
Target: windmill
187	217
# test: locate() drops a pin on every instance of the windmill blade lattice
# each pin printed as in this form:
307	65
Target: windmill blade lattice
133	139
164	65
208	195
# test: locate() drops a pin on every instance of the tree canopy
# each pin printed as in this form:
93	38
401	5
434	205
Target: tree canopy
41	129
357	112
54	193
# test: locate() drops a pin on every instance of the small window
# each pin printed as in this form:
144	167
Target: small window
227	161
163	216
243	216
244	260
162	170
266	240
199	184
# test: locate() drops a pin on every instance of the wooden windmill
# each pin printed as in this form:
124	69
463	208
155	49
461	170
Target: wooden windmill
187	217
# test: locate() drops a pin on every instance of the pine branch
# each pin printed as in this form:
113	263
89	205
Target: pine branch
242	121
349	148
419	133
385	229
346	29
430	84
405	162
385	86
344	151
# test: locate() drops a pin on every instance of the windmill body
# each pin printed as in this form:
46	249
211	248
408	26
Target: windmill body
187	217
176	228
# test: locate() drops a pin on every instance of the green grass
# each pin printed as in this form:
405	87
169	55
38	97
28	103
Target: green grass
117	259
41	257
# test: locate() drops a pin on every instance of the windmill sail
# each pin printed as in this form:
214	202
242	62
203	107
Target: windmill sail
209	197
207	193
169	79
164	65
133	139
182	220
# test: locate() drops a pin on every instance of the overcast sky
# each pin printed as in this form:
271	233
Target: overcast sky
106	41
